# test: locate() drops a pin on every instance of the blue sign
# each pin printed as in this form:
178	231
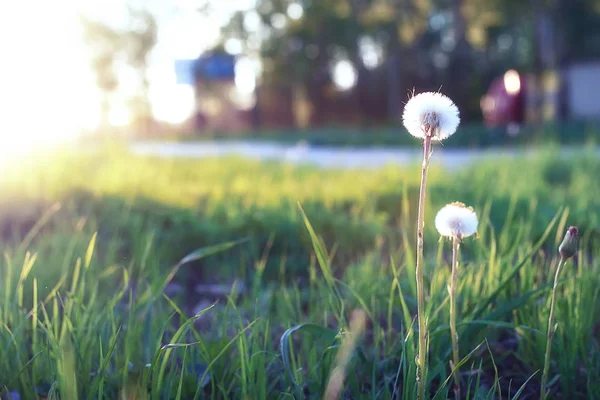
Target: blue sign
210	67
216	67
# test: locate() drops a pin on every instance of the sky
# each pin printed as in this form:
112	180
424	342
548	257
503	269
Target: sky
47	86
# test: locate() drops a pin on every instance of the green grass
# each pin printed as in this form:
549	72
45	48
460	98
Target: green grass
90	241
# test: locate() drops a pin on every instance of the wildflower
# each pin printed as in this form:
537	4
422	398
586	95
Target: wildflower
431	115
456	220
568	247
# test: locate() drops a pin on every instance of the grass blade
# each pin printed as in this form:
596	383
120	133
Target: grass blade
100	374
520	391
511	275
326	334
199	254
90	251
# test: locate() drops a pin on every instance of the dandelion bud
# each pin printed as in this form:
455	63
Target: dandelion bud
456	220
568	247
430	115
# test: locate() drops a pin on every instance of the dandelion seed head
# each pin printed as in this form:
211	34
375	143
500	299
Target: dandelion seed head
431	114
456	220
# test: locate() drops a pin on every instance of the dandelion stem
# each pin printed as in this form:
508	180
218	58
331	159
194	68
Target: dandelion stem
550	332
453	333
422	355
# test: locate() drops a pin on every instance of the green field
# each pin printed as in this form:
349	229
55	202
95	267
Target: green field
93	304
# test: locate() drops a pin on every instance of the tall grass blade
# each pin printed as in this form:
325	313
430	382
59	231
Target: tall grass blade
90	251
316	331
100	374
46	217
522	388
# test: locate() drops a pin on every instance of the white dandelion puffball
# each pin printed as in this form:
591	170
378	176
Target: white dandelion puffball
431	114
456	220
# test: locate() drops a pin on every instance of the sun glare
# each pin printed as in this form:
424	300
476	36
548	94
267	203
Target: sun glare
48	93
47	89
170	102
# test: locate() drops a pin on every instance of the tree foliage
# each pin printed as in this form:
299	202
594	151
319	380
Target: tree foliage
422	44
131	45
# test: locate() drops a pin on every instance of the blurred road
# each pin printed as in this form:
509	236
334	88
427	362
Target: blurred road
328	157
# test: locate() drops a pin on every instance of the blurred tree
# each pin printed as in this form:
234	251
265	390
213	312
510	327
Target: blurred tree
105	44
397	45
111	46
579	21
140	38
300	43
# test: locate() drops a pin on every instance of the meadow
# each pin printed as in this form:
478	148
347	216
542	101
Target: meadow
277	263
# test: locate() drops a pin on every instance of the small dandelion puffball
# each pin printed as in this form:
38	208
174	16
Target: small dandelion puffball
430	114
456	220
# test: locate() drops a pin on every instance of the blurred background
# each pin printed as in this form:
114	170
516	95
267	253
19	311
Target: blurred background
323	71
